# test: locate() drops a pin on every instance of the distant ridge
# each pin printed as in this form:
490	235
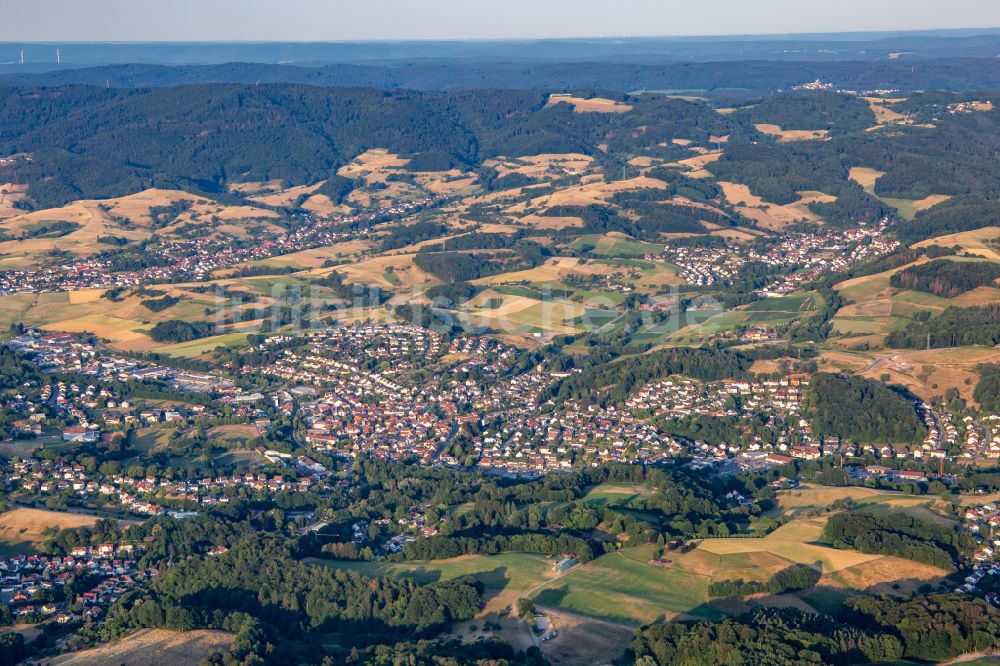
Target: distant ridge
744	79
927	44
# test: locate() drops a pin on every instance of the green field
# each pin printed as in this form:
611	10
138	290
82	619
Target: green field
616	246
794	303
623	587
193	348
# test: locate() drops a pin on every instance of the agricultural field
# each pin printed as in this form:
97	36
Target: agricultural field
982	242
592	105
787	136
625	588
808	497
770	216
202	346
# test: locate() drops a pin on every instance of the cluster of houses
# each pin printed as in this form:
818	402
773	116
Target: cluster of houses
801	257
379	413
542	442
983	523
153	495
34	585
778	401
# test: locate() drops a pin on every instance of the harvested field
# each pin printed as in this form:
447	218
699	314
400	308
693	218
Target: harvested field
695	166
152	647
980	241
866	177
772	216
795	542
787	136
588	194
593	105
24	530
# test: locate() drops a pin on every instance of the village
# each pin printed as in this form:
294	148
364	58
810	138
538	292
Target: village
799	257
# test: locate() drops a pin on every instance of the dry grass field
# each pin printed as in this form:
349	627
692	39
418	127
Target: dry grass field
586	194
542	166
373	164
373	272
907	208
930	374
695	166
866	177
787	136
772	216
980	241
23	530
796	542
593	105
884	114
10	194
285	197
316	257
152	647
96	218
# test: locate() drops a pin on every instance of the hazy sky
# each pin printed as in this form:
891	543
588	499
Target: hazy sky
335	20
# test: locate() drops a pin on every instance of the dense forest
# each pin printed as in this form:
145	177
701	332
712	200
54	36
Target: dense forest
296	133
955	327
86	142
946	278
987	392
176	330
861	410
870	630
258	588
899	535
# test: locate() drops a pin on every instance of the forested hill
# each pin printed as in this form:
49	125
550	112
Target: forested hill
89	142
730	79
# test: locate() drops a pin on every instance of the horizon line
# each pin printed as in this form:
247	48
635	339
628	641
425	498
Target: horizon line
472	40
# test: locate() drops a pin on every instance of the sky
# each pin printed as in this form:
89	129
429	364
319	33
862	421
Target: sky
342	20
